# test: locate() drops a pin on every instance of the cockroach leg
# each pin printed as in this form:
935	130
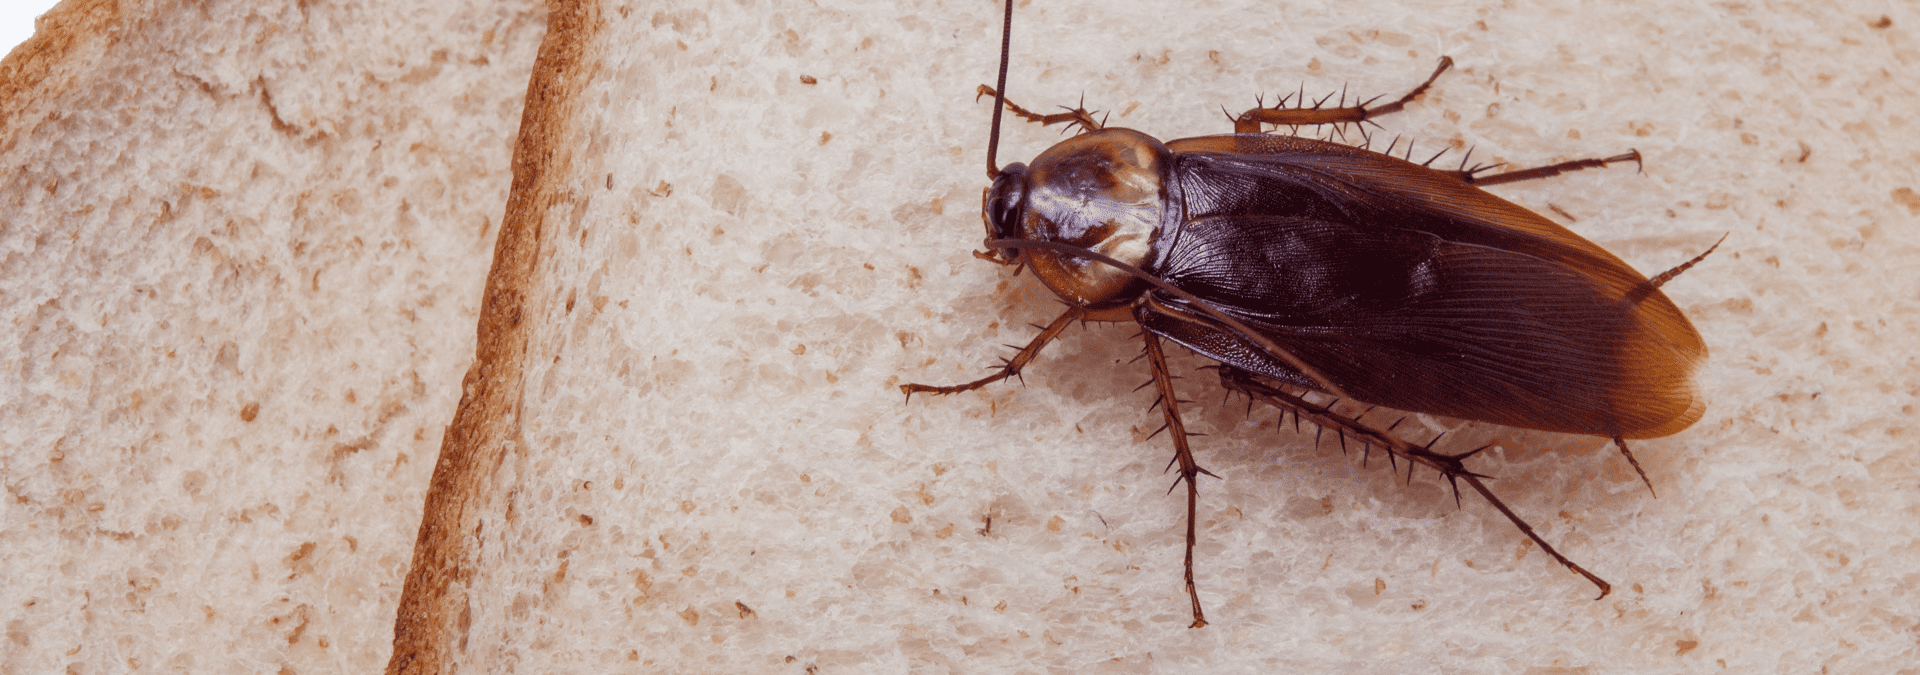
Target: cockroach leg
1250	122
1012	366
1183	455
1627	453
1451	466
992	257
1078	116
1473	177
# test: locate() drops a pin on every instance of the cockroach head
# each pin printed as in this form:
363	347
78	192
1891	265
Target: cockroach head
1005	207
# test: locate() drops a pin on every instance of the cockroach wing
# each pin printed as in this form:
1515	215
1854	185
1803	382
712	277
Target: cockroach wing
1410	289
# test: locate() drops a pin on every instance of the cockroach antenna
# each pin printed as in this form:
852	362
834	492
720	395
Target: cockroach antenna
1000	94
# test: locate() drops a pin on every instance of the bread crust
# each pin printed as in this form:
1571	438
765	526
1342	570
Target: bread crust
68	39
435	610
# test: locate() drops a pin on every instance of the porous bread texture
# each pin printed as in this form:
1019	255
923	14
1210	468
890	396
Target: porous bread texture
241	252
704	464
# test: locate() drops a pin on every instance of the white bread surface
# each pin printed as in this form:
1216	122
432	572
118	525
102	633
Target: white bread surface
241	252
242	260
737	228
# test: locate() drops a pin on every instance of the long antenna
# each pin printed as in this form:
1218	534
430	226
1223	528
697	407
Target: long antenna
1000	93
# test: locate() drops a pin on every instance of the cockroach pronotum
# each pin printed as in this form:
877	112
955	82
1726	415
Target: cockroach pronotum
1315	271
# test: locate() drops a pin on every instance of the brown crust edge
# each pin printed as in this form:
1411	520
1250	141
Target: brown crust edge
68	38
435	611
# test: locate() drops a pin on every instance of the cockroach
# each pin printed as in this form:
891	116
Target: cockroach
1316	272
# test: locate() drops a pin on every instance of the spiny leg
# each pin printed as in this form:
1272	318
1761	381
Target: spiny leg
1076	115
1473	175
1451	466
1012	366
1182	455
1250	122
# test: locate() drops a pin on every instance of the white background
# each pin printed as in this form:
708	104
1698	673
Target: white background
16	21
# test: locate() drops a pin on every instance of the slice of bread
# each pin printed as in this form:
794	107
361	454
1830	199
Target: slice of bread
241	254
240	236
736	229
734	233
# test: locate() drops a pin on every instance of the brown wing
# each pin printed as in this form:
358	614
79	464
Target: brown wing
1413	290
